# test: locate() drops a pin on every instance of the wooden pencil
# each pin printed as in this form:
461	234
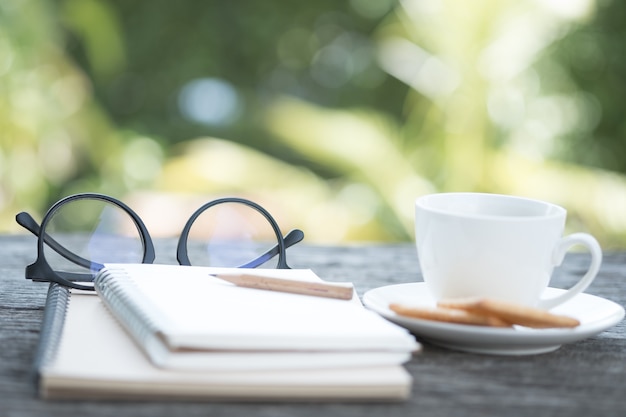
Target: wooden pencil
343	291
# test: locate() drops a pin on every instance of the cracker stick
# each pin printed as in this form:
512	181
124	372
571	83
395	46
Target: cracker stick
448	315
511	312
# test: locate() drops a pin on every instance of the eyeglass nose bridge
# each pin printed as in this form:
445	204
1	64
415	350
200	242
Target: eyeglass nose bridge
280	249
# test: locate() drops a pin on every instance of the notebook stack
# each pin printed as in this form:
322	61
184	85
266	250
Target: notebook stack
161	331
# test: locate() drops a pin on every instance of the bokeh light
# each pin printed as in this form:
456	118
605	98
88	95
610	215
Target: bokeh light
335	115
209	101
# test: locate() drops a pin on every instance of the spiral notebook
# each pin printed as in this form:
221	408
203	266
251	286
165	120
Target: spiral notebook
186	318
85	352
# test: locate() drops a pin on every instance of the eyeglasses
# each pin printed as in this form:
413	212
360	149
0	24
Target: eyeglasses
82	232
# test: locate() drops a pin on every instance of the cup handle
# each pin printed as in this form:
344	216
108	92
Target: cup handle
558	255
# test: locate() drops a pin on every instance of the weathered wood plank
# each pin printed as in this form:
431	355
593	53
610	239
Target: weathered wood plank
581	379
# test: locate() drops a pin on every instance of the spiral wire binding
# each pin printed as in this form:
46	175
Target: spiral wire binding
136	314
51	327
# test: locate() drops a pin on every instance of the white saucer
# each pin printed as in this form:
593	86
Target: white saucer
595	314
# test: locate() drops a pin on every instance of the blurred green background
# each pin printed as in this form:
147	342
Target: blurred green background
334	115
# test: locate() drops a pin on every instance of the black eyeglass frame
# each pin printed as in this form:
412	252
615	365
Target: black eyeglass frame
41	271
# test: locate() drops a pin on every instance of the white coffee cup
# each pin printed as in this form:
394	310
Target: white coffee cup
496	246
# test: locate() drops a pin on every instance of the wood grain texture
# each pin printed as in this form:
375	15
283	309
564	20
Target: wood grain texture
580	379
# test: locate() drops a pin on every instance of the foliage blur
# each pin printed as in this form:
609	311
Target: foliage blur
334	115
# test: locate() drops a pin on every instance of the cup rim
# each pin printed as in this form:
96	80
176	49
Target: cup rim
551	210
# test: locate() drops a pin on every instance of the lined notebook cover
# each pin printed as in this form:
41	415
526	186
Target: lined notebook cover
84	353
184	318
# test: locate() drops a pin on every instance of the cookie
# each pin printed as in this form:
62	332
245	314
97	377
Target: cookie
511	312
448	315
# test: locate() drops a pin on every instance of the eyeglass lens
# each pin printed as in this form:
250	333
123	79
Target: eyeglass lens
94	230
229	235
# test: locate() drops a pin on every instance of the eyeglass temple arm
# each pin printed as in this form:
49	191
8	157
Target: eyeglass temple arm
27	222
290	239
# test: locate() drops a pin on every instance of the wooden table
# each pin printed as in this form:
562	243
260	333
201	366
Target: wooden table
581	379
